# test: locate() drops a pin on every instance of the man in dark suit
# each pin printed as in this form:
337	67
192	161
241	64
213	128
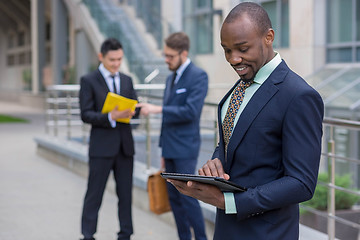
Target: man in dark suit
275	140
180	141
111	144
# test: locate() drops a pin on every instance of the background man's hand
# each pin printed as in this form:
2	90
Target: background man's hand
147	108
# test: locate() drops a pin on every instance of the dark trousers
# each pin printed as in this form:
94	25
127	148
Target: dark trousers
99	170
186	210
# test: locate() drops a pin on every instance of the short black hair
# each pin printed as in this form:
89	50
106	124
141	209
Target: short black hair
178	41
109	45
254	11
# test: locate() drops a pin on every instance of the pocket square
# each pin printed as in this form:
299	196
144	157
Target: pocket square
180	90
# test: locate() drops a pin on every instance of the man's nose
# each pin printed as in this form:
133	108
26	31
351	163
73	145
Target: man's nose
235	59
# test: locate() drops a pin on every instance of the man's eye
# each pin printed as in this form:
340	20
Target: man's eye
227	51
243	50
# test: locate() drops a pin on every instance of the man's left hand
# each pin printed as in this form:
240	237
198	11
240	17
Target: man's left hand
204	192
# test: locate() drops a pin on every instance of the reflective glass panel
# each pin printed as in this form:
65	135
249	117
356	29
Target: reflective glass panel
284	23
339	83
320	76
204	31
346	99
270	7
339	55
339	21
358	21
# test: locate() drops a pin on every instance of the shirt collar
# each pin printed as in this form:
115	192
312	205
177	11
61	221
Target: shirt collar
182	68
106	73
267	69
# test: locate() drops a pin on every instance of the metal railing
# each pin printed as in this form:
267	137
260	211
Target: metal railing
63	116
329	160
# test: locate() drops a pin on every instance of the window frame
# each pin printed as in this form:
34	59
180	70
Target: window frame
353	44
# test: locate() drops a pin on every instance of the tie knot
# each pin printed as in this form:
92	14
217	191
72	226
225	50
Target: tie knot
112	76
244	84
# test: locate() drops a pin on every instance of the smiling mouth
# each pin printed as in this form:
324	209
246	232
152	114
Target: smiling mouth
240	68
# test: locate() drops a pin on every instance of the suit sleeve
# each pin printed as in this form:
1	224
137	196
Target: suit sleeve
301	149
90	108
194	102
134	96
216	153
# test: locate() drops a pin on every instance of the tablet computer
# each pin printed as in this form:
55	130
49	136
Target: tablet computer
224	185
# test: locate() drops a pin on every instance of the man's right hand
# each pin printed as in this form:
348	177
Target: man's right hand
116	114
213	168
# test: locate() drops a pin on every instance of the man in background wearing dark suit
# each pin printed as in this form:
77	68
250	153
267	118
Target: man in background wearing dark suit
271	144
183	100
111	144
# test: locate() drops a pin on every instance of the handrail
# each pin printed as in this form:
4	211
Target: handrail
342	123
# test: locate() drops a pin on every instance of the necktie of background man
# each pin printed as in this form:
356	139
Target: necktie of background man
173	80
114	85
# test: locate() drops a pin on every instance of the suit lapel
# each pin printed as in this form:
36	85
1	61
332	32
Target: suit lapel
101	80
167	92
181	82
123	85
221	137
261	97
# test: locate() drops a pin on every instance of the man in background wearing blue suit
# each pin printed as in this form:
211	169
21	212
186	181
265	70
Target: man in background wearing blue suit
275	143
183	100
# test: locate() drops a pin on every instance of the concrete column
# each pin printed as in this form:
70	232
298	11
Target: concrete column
171	11
84	55
59	39
37	43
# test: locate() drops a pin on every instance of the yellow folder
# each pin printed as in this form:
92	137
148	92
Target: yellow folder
112	100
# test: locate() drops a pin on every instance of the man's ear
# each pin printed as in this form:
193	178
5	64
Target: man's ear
100	57
269	37
184	54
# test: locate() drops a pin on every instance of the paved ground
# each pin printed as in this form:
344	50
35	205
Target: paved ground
40	200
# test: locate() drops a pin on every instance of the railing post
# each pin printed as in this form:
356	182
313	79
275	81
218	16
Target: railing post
56	107
47	109
331	180
83	133
68	114
148	144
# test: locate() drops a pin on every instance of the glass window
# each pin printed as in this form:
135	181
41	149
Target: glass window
284	23
11	60
271	10
22	59
339	19
278	11
202	3
358	21
343	30
339	55
198	24
11	40
21	39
